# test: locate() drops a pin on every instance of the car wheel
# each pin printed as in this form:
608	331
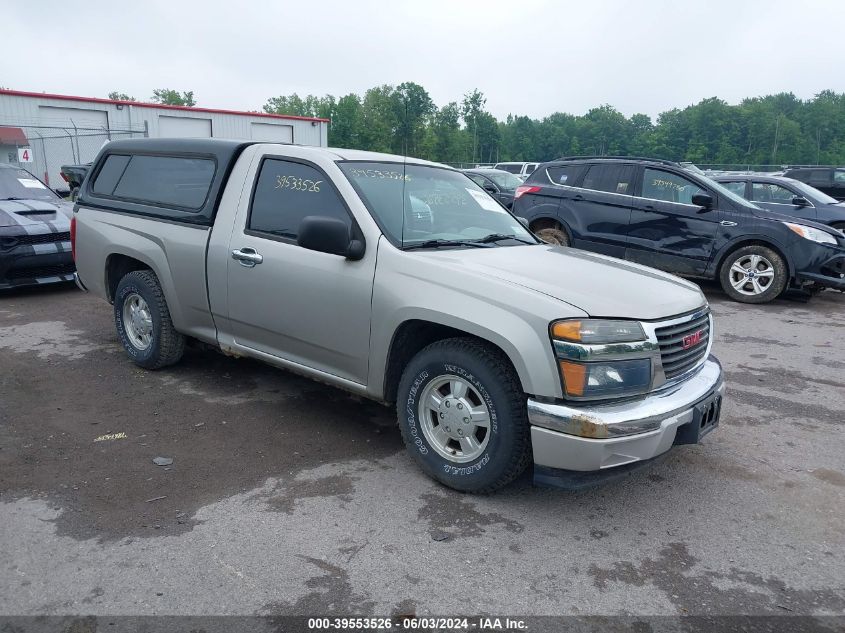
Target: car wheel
463	415
753	274
553	236
143	321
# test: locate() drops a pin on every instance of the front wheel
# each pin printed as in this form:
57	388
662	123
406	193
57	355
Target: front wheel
463	415
753	274
143	321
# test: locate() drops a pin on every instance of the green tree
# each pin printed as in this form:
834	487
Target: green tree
120	96
412	108
166	96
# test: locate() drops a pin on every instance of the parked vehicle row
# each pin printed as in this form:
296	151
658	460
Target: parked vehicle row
829	180
662	215
407	283
520	170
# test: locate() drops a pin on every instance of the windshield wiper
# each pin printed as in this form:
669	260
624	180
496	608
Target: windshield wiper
13	198
438	243
495	237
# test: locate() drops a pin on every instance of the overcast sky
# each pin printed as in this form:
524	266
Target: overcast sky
531	57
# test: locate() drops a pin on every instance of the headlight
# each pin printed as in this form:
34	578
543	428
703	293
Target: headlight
809	233
595	331
580	345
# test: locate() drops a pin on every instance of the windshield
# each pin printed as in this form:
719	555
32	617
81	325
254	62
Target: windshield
438	204
504	180
20	184
813	194
727	193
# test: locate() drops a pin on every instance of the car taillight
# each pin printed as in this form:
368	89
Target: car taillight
523	189
62	174
73	237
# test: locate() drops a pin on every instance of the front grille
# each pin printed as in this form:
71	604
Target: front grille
683	345
41	271
41	238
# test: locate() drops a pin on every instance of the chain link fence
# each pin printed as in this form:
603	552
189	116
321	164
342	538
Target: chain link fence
43	150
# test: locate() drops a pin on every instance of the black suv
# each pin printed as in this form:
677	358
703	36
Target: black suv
829	180
660	214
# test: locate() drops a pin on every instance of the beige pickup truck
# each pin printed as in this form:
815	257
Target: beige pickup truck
405	282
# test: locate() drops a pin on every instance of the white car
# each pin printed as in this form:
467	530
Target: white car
520	170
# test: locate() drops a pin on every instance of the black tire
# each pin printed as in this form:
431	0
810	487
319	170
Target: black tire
166	344
553	236
773	289
507	451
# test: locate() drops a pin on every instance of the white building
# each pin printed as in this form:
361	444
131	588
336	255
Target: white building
61	129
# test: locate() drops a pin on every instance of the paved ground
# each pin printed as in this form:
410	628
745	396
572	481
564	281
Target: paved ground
287	497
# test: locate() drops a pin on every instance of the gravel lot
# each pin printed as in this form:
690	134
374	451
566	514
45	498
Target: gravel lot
289	497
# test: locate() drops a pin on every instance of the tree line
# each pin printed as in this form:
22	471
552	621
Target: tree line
775	129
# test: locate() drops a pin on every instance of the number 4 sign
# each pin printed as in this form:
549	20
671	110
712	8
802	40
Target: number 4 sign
24	155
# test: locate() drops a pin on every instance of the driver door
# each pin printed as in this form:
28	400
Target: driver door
288	302
666	230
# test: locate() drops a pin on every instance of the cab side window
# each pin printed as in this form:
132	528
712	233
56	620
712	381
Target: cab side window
287	192
767	192
668	187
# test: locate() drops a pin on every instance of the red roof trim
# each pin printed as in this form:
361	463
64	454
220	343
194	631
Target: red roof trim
12	136
43	95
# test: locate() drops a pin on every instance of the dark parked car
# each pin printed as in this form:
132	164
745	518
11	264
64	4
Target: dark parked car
829	180
497	182
34	231
659	214
787	196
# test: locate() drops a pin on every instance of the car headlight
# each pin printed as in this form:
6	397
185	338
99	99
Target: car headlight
812	234
577	342
598	331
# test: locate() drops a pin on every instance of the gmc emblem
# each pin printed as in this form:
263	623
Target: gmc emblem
692	339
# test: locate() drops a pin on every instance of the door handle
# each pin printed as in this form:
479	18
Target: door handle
727	223
247	257
578	197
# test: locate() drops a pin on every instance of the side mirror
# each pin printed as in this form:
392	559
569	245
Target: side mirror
800	201
703	200
489	188
329	235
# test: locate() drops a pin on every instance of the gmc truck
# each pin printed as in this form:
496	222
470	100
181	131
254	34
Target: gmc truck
402	281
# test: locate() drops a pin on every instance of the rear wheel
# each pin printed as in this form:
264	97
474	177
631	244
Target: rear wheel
552	235
143	321
753	274
463	415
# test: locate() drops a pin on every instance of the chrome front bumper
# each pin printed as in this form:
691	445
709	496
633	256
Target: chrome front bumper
591	438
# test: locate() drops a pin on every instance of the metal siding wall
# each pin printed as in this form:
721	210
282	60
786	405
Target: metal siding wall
18	110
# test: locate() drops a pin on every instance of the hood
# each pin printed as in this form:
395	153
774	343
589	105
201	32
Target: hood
765	214
599	285
36	213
